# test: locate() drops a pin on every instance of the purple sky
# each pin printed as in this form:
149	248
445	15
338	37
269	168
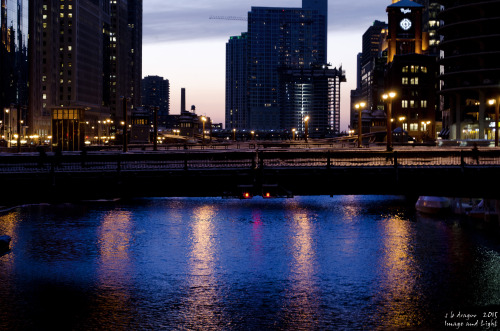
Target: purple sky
184	46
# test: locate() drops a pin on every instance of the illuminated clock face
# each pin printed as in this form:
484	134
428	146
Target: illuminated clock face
405	24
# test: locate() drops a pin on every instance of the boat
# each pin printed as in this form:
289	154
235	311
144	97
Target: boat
432	205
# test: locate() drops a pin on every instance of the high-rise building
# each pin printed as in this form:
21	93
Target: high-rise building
470	53
313	93
277	38
156	93
81	53
13	62
236	82
410	72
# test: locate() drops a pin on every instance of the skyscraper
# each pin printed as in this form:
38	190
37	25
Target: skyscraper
81	54
13	57
470	51
277	38
236	82
156	93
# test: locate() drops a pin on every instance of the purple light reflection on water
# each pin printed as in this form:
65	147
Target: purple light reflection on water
352	262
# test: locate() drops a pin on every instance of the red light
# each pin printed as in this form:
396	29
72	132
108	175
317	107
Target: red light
268	195
246	195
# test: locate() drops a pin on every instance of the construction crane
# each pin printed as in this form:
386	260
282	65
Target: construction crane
229	18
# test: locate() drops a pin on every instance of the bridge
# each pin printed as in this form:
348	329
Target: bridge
247	173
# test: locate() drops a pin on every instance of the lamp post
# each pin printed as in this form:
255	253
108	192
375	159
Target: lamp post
306	121
293	134
234	135
204	120
389	96
497	106
359	107
253	134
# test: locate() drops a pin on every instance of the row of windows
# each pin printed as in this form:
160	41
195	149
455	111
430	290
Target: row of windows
414	69
411	81
413	104
415	126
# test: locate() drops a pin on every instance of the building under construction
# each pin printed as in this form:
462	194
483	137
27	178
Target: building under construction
313	93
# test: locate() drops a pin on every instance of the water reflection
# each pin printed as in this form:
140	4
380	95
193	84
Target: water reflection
8	226
202	302
399	271
115	267
301	300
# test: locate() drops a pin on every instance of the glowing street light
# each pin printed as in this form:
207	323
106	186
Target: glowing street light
234	134
390	96
253	134
204	120
293	134
306	121
359	107
492	102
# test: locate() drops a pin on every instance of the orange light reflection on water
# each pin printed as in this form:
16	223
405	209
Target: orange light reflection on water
301	306
202	296
399	274
114	273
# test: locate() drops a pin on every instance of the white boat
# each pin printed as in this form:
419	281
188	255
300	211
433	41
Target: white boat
432	205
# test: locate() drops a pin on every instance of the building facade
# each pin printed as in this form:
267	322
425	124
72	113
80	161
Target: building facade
80	57
470	50
277	38
14	64
236	82
156	93
312	93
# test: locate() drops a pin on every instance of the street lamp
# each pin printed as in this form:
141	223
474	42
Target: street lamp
253	134
306	121
359	107
293	134
203	119
497	105
234	134
390	96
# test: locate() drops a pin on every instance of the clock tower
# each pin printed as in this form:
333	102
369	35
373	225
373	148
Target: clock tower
405	29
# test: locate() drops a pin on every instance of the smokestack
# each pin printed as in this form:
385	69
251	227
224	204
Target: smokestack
183	100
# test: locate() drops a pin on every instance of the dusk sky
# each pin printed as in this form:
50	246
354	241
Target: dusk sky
181	44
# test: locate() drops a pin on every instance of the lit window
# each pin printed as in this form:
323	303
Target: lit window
405	81
404	103
423	103
413	127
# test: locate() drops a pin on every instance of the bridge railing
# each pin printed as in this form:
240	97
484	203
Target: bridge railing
107	162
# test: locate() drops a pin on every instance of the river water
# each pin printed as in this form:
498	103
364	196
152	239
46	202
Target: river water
307	263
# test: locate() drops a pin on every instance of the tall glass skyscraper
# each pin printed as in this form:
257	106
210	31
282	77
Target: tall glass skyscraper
13	54
236	82
277	37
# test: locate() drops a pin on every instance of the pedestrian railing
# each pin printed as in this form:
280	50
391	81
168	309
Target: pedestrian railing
257	159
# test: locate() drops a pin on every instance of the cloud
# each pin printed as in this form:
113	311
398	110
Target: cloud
189	20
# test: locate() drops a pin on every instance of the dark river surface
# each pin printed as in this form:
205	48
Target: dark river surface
307	263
